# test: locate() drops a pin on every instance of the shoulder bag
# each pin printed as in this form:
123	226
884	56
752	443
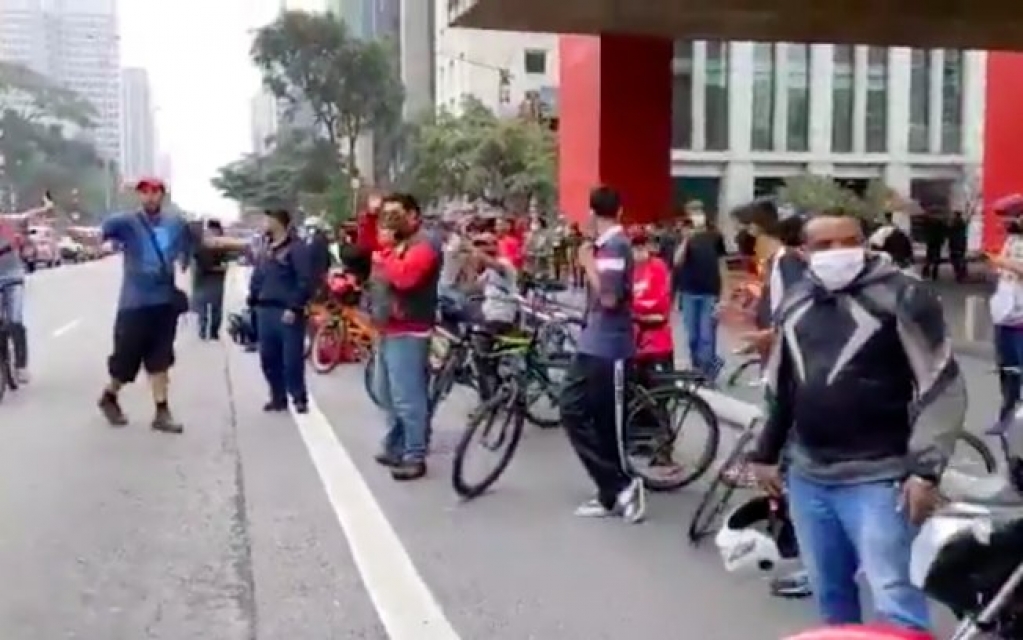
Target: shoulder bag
179	299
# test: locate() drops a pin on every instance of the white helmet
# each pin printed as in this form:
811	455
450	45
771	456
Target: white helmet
756	536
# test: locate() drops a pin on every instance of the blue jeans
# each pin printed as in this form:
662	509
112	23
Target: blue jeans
845	528
208	300
1009	353
12	308
701	329
282	355
401	384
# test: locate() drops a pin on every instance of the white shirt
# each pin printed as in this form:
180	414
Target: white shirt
498	291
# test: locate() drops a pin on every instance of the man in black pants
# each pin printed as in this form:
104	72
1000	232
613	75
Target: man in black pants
593	399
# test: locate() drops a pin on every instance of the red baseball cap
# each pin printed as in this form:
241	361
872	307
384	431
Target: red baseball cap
150	184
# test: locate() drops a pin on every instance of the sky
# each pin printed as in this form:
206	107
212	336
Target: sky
196	52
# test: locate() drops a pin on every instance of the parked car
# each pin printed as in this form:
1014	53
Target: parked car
71	251
46	252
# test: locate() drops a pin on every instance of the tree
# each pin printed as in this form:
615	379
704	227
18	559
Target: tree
477	155
351	86
817	193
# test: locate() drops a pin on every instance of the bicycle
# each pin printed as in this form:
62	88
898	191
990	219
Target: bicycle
8	379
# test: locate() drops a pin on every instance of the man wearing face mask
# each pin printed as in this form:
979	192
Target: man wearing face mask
868	405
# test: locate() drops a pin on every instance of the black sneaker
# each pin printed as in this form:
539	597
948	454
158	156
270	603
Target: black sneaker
111	410
165	422
387	459
409	470
275	406
301	406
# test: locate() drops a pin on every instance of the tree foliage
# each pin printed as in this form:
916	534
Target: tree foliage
477	155
44	144
350	85
817	193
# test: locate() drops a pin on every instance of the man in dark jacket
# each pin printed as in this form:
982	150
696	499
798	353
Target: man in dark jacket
868	404
208	275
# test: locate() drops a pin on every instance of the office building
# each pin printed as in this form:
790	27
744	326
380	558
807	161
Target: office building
76	45
138	126
502	69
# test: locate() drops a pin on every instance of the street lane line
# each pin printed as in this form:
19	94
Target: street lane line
405	604
61	330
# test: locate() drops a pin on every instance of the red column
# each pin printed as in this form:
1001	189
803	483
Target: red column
1003	138
615	123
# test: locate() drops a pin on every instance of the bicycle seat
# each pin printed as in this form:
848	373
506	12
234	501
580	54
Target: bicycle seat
993	490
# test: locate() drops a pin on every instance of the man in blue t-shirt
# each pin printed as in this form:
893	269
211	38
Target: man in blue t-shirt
593	397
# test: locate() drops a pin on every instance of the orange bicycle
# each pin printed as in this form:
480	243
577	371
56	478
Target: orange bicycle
339	332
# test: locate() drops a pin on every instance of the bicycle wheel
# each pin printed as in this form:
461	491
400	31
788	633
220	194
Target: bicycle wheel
747	374
328	347
731	475
541	387
654	421
498	424
972	455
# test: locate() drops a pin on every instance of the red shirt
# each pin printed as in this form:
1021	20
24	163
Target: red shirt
366	237
651	296
405	269
509	248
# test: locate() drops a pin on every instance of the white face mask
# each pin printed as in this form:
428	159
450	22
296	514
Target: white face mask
837	268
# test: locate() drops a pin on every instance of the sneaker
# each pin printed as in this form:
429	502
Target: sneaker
592	508
21	375
632	502
275	406
301	406
164	422
111	410
409	470
387	459
795	585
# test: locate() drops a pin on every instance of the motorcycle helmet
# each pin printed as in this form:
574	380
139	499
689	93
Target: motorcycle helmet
757	536
242	328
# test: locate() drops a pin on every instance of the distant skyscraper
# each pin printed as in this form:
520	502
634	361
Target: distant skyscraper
75	43
263	121
138	129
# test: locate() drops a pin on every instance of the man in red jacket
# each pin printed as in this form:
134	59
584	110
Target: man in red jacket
655	346
403	304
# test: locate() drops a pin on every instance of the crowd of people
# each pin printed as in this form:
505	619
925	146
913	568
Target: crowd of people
865	397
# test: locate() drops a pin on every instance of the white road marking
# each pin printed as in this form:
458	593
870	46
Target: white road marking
405	604
61	330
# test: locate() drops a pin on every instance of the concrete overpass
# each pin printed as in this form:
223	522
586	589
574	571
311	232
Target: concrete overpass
615	102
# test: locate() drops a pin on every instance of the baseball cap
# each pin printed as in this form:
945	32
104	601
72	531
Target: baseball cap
150	184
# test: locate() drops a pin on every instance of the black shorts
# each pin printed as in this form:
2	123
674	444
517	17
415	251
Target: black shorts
143	337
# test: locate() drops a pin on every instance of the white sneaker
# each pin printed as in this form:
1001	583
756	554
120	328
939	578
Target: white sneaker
22	376
632	502
593	509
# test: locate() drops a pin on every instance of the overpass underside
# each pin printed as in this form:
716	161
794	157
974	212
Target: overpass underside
977	24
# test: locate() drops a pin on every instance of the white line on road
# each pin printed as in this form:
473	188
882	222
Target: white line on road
405	604
61	330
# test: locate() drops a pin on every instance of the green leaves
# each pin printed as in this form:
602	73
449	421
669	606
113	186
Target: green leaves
817	193
478	155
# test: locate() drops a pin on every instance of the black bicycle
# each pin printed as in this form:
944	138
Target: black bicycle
8	380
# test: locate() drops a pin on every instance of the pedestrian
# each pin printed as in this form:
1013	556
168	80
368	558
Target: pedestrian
702	277
890	239
12	296
279	290
403	305
151	241
1006	306
958	241
593	396
868	403
209	271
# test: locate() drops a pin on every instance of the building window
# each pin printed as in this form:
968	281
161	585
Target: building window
877	99
716	97
682	96
952	102
797	85
842	98
763	97
535	61
919	101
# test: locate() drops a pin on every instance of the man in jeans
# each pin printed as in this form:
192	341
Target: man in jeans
403	291
700	277
208	275
868	405
12	296
593	396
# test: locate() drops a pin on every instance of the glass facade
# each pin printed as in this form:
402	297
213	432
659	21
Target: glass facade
952	102
716	97
920	101
682	96
797	87
842	98
877	100
763	105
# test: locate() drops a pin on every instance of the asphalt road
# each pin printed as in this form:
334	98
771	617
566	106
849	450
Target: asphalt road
283	528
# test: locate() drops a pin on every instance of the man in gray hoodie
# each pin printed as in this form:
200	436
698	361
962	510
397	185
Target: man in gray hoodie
12	296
